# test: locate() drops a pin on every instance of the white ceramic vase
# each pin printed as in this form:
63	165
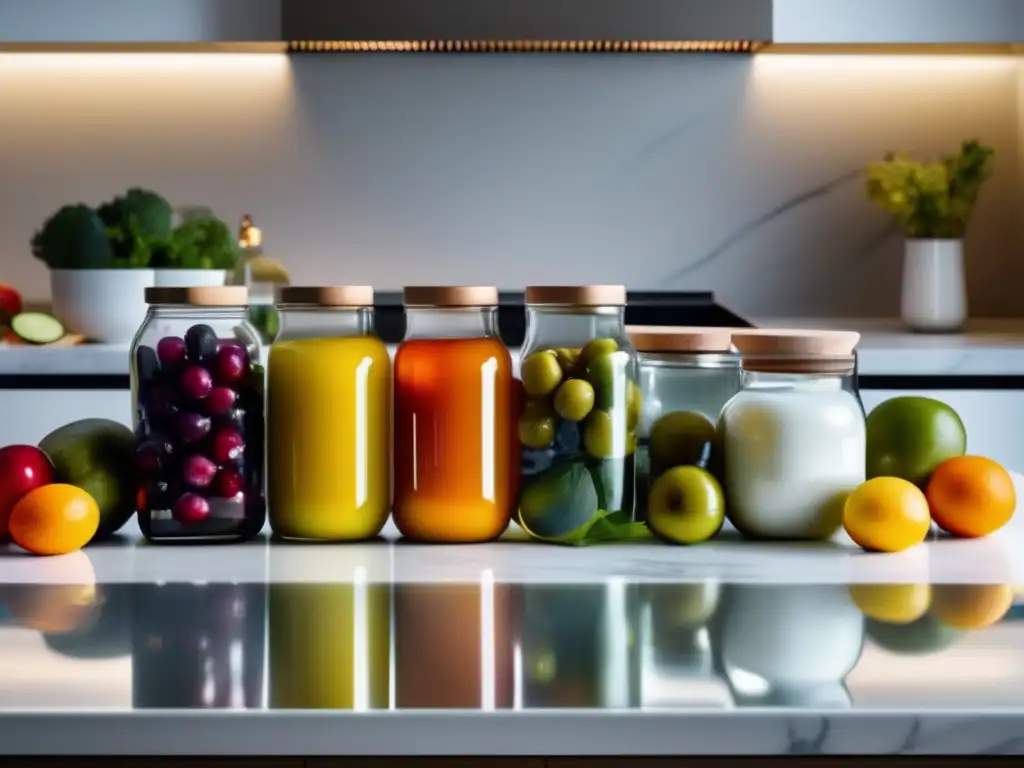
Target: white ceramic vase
188	278
104	305
934	296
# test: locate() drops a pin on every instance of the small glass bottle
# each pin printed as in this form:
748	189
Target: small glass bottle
577	427
686	376
328	417
793	439
260	274
197	395
452	441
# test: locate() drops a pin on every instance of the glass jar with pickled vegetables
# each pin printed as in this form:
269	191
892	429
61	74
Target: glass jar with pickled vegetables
686	376
197	395
328	416
453	459
794	438
577	426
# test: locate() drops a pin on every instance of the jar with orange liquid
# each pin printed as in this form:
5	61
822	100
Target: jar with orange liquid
453	461
328	417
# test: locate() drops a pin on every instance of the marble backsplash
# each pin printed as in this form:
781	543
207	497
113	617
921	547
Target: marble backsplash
736	174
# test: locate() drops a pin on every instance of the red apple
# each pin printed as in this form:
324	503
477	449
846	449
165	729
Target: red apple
23	468
10	302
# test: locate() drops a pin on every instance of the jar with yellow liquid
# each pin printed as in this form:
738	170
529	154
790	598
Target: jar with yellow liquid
329	628
328	417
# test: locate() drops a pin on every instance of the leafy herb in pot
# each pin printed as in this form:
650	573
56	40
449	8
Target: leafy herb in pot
931	200
75	237
120	234
198	244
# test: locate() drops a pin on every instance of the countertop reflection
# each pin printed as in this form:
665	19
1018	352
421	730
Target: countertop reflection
485	646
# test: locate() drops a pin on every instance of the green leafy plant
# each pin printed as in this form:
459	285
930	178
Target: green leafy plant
931	200
198	244
138	223
134	230
75	237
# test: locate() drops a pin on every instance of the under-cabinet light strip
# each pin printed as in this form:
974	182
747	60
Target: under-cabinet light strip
524	46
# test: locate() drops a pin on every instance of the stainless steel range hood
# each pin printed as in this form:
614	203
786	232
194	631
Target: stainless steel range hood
526	25
334	26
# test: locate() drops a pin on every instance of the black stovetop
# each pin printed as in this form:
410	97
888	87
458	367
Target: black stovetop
694	308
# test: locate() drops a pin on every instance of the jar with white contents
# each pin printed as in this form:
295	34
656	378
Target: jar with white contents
794	438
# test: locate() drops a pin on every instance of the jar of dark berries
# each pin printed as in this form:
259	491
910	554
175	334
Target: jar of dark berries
197	390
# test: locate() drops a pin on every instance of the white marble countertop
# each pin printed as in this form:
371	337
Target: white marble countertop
478	616
986	348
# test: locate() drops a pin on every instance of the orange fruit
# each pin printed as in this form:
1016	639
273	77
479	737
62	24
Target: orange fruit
54	520
887	514
970	606
971	496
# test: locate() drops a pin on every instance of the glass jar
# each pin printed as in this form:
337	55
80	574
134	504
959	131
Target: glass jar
577	426
579	646
198	646
328	417
686	376
453	645
197	395
794	438
452	442
329	638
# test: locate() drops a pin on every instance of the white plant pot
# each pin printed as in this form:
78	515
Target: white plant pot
105	305
188	278
934	290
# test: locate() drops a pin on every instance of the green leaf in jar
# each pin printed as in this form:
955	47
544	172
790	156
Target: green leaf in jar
556	504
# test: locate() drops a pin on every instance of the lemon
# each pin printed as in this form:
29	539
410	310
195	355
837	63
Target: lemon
887	514
892	603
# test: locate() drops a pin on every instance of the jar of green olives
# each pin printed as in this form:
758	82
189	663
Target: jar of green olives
686	376
578	417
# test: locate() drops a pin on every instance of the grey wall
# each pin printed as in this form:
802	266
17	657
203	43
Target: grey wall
702	172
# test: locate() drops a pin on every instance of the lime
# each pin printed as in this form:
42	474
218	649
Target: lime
686	505
541	373
574	399
908	437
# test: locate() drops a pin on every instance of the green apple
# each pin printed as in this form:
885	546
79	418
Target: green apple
686	505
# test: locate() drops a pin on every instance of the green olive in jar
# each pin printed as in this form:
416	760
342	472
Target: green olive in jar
605	436
607	374
598	347
541	373
567	359
537	433
574	399
634	405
